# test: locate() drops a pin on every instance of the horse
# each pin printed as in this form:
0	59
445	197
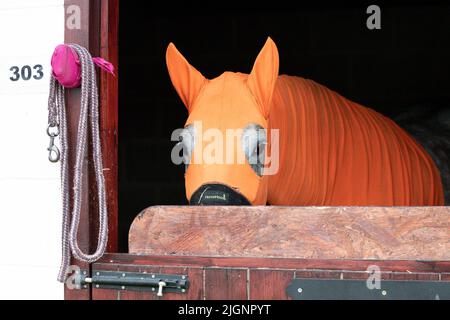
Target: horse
330	151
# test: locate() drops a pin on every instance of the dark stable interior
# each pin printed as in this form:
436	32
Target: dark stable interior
402	71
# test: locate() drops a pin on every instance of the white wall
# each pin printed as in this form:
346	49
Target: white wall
29	183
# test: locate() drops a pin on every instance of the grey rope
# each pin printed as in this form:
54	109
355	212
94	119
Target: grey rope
57	118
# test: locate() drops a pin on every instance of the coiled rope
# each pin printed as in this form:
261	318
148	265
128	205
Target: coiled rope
57	119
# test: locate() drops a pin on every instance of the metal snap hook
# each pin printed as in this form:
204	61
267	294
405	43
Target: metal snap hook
53	154
53	151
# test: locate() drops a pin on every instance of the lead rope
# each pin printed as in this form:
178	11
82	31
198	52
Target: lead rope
58	125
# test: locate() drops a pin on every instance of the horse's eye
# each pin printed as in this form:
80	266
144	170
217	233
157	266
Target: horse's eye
254	144
187	142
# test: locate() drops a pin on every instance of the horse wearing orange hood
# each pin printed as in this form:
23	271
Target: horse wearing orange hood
329	151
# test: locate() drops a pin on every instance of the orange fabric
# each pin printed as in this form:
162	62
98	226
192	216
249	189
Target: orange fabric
332	151
187	80
345	154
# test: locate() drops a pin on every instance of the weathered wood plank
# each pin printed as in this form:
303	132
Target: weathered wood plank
363	275
109	113
392	276
105	294
87	36
318	274
225	284
276	263
269	284
382	233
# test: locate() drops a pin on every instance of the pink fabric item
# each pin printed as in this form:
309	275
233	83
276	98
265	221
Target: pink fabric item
103	64
66	66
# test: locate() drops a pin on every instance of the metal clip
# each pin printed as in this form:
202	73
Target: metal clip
53	151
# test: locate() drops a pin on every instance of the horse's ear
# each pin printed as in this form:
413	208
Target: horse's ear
185	78
263	77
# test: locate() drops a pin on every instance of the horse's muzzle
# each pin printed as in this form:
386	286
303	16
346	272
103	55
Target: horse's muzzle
217	195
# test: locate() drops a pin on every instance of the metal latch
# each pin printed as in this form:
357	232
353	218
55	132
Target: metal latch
136	281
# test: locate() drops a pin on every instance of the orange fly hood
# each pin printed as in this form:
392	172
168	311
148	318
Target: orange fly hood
329	150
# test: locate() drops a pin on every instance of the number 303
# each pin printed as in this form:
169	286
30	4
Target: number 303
25	73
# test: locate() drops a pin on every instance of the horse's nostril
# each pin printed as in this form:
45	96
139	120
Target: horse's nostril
217	195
